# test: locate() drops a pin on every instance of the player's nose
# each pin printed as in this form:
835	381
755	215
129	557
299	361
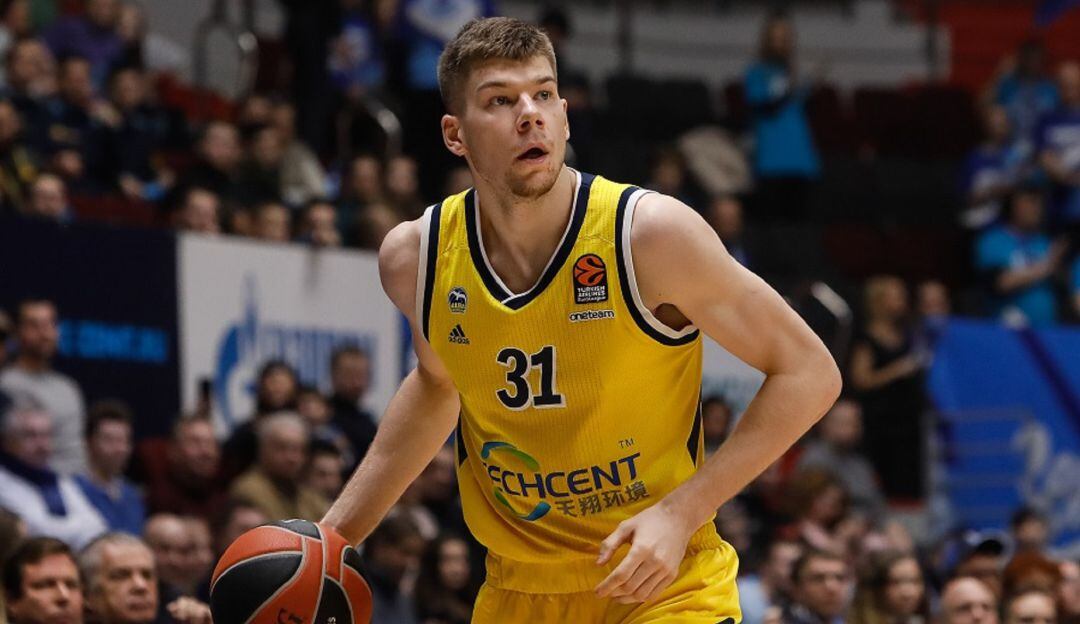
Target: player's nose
530	114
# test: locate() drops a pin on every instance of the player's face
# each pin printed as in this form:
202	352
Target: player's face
512	128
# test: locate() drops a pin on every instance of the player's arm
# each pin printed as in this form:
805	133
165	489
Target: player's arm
680	261
419	418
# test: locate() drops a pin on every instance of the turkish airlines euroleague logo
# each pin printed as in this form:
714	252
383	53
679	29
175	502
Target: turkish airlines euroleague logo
590	279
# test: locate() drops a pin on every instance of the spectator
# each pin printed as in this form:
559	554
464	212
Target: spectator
966	600
49	504
891	590
275	391
355	61
272	223
836	450
458	180
18	165
716	422
41	583
77	136
374	223
256	110
362	187
981	556
725	214
31	80
200	561
444	591
187	482
934	306
1030	570
991	171
1018	260
667	174
148	49
1031	607
14	25
317	224
32	375
168	539
234	519
92	36
108	445
315	408
1057	145
785	161
763	596
821	504
260	174
48	199
199	211
403	187
137	132
1025	93
302	176
218	158
274	482
325	470
1068	593
439	491
822	589
887	372
392	553
350	376
1030	530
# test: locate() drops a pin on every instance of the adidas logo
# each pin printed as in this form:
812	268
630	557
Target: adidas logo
457	335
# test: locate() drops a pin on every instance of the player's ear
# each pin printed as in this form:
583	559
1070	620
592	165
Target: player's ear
453	136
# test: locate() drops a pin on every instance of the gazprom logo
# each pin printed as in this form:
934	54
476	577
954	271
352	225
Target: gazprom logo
250	342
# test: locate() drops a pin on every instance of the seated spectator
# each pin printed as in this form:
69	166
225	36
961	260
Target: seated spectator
991	171
403	187
325	470
1030	570
820	505
302	176
274	482
77	142
1068	593
391	554
315	408
15	24
967	600
1057	145
201	558
188	481
234	519
92	36
272	222
12	532
444	590
48	199
836	450
1025	93
725	214
182	551
18	164
275	390
259	176
108	445
1030	530
1030	607
41	583
49	503
716	422
32	375
30	70
981	556
218	154
361	187
763	596
821	589
317	224
373	223
1018	261
199	211
137	132
892	589
667	174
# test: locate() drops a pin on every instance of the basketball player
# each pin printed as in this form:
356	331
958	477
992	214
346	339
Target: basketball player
557	319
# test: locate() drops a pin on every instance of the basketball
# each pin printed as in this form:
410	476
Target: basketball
290	572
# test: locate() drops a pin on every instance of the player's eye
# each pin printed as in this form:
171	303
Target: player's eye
500	100
544	95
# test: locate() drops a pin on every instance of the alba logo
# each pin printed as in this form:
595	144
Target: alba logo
590	279
458	300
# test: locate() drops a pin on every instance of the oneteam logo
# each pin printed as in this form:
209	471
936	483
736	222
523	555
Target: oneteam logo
458	300
591	315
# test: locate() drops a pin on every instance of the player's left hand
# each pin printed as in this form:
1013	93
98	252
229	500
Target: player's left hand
657	538
190	611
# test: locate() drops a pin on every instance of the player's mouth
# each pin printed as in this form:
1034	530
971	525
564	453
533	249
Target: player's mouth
533	155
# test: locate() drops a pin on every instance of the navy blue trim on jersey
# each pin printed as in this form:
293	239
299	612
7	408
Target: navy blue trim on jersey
695	434
624	280
516	302
429	276
459	442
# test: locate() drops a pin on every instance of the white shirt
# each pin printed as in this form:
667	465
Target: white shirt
76	528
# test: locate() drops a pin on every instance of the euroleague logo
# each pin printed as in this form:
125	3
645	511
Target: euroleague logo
590	279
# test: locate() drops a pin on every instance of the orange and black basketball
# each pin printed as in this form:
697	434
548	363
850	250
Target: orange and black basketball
290	572
589	270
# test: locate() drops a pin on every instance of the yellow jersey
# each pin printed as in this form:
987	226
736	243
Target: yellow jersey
579	408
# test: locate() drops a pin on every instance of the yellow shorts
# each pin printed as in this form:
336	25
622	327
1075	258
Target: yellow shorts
704	592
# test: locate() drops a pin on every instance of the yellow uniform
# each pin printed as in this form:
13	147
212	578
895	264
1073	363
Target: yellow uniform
579	409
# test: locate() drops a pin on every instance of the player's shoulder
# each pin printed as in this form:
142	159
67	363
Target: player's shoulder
399	260
662	220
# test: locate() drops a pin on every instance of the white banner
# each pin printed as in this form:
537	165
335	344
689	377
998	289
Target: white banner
243	303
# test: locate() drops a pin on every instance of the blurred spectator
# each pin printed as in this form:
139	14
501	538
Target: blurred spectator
92	36
891	590
403	187
991	171
14	25
355	61
1017	260
199	211
785	161
41	583
458	180
362	187
260	173
981	556
1030	607
235	518
822	589
48	199
391	553
716	422
1057	145
187	482
967	600
137	132
444	591
667	174
108	445
374	223
272	222
31	80
168	539
146	48
200	561
836	450
439	491
1030	570
933	301
317	224
255	110
887	371
315	408
1030	530
821	506
1068	593
1025	93
302	176
218	154
350	376
49	503
32	375
275	390
768	592
324	470
725	215
274	482
77	142
12	532
18	165
411	505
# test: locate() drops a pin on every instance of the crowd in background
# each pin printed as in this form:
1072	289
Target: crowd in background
100	526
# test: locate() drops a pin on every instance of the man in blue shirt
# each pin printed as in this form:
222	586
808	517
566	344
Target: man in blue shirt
990	172
108	445
1057	142
1018	260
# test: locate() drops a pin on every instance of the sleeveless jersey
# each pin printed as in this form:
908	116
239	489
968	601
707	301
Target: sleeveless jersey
579	408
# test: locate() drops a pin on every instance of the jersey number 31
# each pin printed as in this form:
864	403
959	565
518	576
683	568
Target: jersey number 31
519	365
